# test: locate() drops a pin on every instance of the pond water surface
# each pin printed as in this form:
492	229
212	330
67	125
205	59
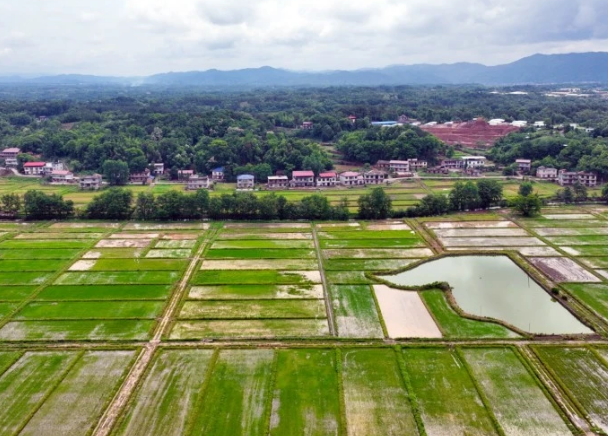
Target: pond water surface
494	286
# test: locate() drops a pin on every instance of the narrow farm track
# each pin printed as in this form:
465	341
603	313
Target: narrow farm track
106	423
426	236
328	307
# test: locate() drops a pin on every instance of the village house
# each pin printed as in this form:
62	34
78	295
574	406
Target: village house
437	170
218	174
34	168
400	166
301	179
198	182
140	178
62	177
184	174
374	177
10	153
277	182
49	167
452	164
416	164
546	173
351	178
473	161
524	165
328	179
245	181
567	178
91	182
352	118
307	125
383	165
159	169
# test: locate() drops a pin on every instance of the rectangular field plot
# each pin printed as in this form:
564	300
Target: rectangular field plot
26	383
90	310
77	403
483	232
404	314
584	378
86	226
168	397
167	226
563	269
118	278
591	262
564	224
255	292
16	293
59	236
436	375
578	240
23	278
76	330
371	243
347	277
524	251
305	399
104	292
31	254
127	235
379	253
260	264
452	325
471	225
243	329
129	265
174	253
261	253
264	236
32	265
113	253
491	242
267	226
586	250
589	231
366	265
263	277
375	399
285	243
355	312
184	243
363	234
568	216
518	402
48	244
123	243
237	394
594	296
251	309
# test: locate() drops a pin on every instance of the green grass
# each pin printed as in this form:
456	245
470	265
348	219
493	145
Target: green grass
366	264
118	330
453	325
593	262
251	309
595	296
235	399
7	309
305	394
449	403
71	409
578	240
16	293
252	236
32	265
378	253
244	277
69	310
375	399
283	243
347	278
583	376
59	235
168	397
371	243
104	292
38	254
38	244
255	292
370	234
138	265
26	383
261	253
23	278
355	312
518	402
118	278
237	329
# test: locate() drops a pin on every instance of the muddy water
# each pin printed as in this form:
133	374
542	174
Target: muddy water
494	286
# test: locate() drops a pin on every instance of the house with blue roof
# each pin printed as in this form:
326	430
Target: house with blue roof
218	174
245	181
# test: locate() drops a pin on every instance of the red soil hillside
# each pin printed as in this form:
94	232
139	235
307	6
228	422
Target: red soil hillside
472	134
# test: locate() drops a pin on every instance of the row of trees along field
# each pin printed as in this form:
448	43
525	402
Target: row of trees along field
246	130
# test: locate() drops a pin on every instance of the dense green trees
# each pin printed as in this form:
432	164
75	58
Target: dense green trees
10	205
39	206
527	205
113	204
376	205
116	172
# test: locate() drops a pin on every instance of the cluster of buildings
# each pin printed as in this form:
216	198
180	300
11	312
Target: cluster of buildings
567	178
329	179
469	165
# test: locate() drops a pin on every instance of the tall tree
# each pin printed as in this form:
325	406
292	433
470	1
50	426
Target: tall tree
116	172
490	193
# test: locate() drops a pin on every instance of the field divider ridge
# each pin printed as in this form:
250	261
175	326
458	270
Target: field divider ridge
328	304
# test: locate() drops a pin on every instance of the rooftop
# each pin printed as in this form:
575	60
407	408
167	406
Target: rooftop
11	150
34	164
303	174
61	173
327	175
350	174
245	177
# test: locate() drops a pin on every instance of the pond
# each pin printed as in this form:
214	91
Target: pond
495	287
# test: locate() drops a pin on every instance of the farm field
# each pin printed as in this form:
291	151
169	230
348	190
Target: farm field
283	328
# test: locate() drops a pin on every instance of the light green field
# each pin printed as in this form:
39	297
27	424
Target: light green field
578	240
305	399
104	292
239	329
167	401
355	312
32	254
72	310
23	278
371	243
244	277
180	243
594	296
261	264
366	264
436	376
138	265
255	292
584	378
284	243
45	244
347	278
16	293
118	278
592	262
237	394
519	404
375	398
252	309
261	253
59	235
76	330
32	265
369	234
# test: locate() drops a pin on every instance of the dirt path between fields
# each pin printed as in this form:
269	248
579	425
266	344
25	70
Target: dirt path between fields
108	420
328	306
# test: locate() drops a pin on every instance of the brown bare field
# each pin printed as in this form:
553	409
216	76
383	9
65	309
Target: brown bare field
135	236
83	265
389	226
563	270
569	216
85	226
491	242
524	251
471	225
180	236
472	233
169	226
123	243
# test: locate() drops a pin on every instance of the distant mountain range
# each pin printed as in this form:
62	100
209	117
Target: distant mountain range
536	69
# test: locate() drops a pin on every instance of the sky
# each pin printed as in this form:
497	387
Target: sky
144	37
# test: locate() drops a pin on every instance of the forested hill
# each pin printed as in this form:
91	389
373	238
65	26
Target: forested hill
537	69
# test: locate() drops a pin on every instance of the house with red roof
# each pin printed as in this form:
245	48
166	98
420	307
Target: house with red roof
327	179
34	168
302	179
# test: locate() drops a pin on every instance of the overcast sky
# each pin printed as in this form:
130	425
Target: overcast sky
141	37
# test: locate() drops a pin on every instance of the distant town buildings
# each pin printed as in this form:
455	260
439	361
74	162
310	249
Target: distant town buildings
567	178
474	161
142	178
